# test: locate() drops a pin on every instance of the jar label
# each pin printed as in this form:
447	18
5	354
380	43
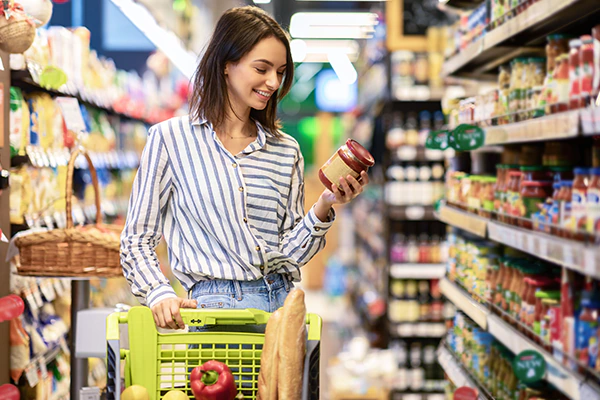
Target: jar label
336	168
531	205
593	210
596	65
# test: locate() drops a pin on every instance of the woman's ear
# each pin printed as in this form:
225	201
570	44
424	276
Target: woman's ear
226	72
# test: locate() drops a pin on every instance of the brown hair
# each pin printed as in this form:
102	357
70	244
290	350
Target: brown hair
237	32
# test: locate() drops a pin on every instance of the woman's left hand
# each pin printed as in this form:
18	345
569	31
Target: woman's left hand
351	189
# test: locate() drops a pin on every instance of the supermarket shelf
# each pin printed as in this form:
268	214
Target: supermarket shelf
411	213
419	153
458	374
419	93
461	3
23	80
418	329
568	382
527	28
571	254
463	300
463	220
558	126
417	271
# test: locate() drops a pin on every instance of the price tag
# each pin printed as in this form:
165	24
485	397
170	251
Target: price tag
31	373
71	112
589	262
531	244
543	247
43	369
588	393
568	254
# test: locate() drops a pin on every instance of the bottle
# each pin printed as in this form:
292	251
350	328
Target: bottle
593	202
587	327
398	251
574	74
395	136
424	126
578	200
410	129
424	249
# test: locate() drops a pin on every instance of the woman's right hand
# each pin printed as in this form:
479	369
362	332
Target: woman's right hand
166	312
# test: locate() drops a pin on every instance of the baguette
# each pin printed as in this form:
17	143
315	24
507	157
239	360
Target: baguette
292	346
269	360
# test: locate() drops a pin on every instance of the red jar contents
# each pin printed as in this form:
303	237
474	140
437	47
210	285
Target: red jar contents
560	101
534	173
350	159
574	74
533	196
596	48
586	68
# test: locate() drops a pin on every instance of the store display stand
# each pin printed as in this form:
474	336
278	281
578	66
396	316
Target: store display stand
4	214
80	300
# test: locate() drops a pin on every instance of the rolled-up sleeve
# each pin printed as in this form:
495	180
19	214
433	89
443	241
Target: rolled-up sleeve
143	228
303	235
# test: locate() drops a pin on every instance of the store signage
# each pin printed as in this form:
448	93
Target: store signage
467	137
465	393
437	140
71	113
529	366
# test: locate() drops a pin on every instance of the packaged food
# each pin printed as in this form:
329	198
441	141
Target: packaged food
586	69
596	47
593	202
557	45
574	74
578	199
350	159
560	98
533	196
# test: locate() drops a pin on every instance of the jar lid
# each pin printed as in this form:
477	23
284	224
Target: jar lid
556	185
532	168
581	171
575	42
587	39
536	183
595	171
360	152
566	183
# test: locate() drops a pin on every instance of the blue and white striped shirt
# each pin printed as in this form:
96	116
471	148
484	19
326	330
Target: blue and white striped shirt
223	216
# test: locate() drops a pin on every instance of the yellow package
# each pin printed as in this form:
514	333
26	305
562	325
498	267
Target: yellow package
20	195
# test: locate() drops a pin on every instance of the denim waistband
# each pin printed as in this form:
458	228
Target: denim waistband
238	288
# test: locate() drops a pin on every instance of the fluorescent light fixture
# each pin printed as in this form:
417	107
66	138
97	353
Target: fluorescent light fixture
165	40
316	51
261	1
328	25
343	67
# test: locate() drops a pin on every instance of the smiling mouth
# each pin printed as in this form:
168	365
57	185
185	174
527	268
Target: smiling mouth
263	94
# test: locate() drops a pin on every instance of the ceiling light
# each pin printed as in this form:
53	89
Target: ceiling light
350	25
262	1
316	51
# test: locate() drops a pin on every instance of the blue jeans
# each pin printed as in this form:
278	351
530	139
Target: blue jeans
267	294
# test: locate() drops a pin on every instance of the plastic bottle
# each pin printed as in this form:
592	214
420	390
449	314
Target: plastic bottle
593	202
578	200
587	326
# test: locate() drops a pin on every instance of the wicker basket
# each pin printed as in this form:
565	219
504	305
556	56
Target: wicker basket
85	252
16	34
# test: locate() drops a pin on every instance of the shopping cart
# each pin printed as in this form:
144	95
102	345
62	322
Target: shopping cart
161	362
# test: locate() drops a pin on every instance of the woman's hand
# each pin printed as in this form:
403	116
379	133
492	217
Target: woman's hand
166	312
350	187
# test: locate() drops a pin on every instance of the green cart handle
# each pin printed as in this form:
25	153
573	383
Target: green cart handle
201	317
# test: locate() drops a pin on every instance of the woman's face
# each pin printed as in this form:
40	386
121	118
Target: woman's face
254	79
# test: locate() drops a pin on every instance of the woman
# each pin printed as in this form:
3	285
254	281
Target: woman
224	186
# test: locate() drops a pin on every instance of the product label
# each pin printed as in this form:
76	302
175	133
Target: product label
585	331
562	91
593	350
336	168
587	72
593	210
596	64
578	203
531	205
529	366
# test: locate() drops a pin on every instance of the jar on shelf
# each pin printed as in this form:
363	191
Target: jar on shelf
560	100
574	72
557	45
587	65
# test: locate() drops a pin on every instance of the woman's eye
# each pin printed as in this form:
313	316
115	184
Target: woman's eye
261	71
280	73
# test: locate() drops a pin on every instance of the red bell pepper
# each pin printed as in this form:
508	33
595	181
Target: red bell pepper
213	381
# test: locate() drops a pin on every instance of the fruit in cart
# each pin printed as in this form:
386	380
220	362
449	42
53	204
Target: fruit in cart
213	380
175	395
135	392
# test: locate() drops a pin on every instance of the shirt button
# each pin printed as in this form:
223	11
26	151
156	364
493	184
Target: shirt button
262	267
257	248
234	165
245	220
241	189
317	229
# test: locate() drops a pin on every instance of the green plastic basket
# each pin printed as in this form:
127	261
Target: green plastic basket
161	362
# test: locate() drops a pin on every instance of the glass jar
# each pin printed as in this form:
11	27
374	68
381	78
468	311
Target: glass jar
350	159
512	196
534	173
586	74
560	101
533	196
574	72
557	44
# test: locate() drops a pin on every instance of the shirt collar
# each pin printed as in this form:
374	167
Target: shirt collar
259	143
